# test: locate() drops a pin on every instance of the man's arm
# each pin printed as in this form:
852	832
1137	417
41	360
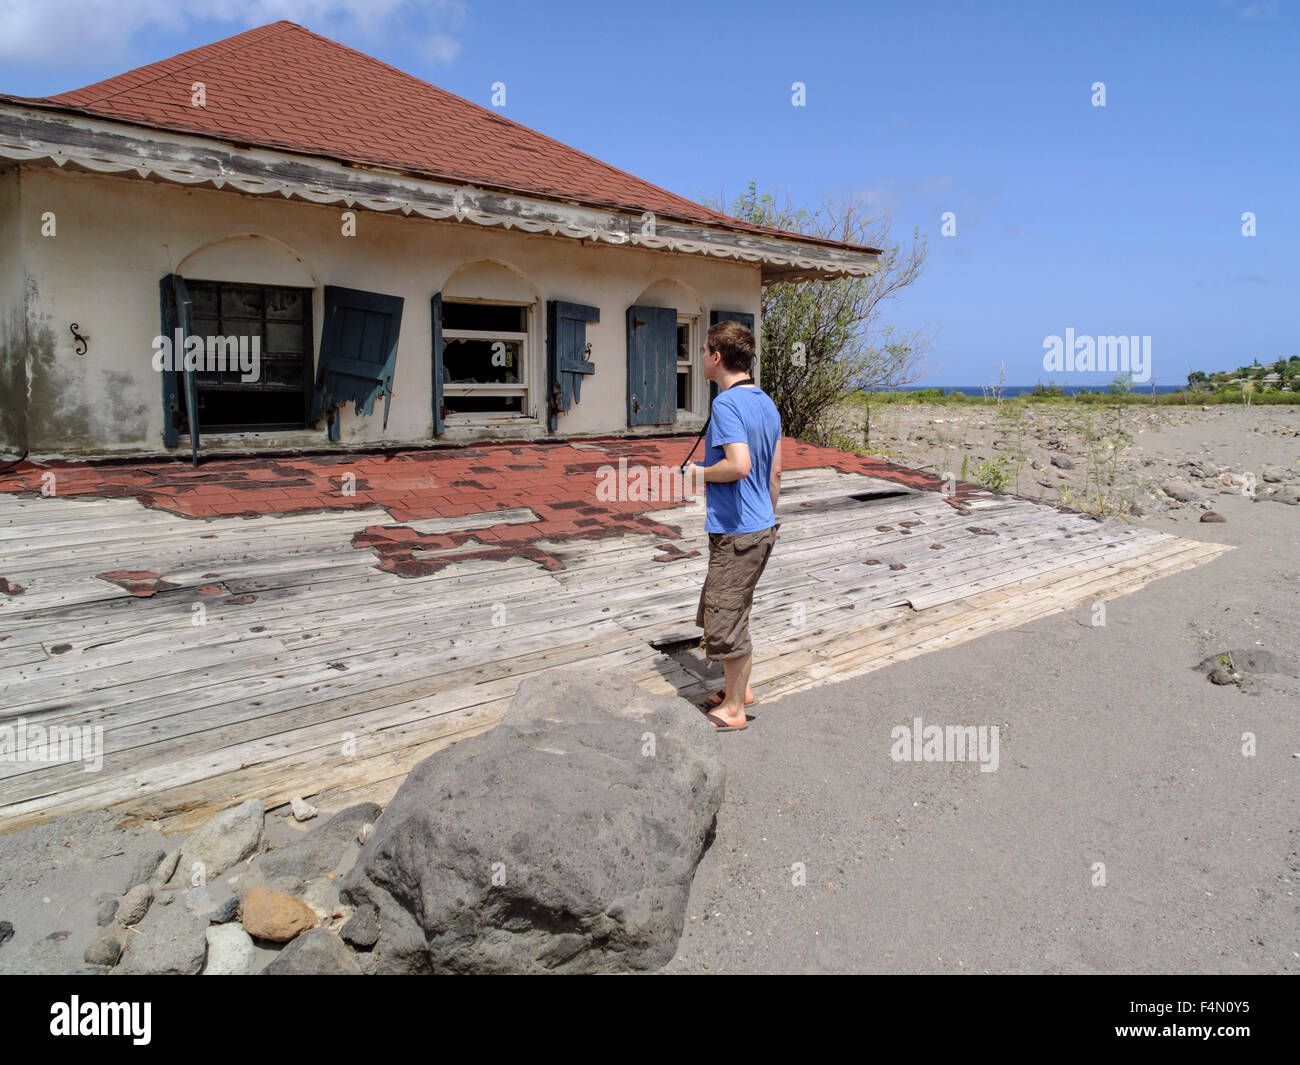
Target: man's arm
734	466
775	486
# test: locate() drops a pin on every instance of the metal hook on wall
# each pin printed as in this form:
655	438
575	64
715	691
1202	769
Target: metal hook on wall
79	342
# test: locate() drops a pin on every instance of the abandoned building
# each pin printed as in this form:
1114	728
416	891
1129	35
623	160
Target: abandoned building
409	267
414	270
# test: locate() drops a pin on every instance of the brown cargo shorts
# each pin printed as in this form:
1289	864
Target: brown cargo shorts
736	561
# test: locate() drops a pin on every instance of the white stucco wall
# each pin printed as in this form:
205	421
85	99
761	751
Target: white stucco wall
117	237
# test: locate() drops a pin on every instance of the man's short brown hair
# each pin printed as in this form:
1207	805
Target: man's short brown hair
734	342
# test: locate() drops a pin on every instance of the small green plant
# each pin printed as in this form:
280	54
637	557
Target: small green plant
992	475
965	463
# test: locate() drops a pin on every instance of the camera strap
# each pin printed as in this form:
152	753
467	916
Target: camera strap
687	462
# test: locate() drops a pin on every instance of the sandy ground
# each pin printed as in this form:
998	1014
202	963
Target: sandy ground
1114	749
1112	461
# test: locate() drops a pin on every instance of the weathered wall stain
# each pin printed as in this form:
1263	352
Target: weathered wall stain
13	380
72	405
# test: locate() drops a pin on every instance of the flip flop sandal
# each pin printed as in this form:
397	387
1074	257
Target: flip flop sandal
727	728
716	698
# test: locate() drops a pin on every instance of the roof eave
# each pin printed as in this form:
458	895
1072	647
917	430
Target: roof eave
38	131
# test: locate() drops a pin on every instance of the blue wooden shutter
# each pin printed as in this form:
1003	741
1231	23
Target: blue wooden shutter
651	365
174	298
439	427
566	355
358	347
744	318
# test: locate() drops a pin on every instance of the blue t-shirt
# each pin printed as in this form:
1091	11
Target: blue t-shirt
742	415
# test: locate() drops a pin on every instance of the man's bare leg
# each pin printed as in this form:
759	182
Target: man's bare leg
731	711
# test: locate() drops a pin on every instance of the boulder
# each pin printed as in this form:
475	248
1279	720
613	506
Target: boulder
134	904
302	809
1181	491
563	840
315	953
106	948
168	942
225	840
230	950
329	848
144	868
275	916
225	913
361	929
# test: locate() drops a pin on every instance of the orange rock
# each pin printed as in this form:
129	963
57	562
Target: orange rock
275	916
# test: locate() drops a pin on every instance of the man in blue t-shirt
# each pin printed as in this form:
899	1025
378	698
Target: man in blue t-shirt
742	476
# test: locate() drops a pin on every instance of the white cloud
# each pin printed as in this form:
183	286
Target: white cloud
65	35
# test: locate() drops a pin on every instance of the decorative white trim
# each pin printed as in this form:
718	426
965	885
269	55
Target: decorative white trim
29	134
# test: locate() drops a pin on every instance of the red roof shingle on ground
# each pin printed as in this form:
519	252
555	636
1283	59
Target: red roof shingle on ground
558	482
283	86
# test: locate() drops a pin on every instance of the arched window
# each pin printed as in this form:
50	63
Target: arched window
488	360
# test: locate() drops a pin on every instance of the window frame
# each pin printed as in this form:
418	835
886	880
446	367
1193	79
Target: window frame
308	353
524	387
691	365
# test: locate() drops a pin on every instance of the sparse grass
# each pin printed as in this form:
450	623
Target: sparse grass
942	397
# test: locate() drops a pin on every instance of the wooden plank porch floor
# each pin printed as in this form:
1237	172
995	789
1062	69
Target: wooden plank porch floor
317	670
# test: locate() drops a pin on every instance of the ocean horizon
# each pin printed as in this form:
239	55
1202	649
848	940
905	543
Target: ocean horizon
1019	390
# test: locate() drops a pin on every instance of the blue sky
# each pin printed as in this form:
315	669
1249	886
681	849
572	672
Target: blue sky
1123	219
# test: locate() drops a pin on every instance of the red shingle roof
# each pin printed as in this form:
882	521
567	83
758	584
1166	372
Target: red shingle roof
283	86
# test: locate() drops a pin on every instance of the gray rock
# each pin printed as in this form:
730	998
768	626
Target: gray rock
317	952
200	901
144	869
107	911
166	868
106	948
230	950
1289	495
302	810
553	842
224	841
362	928
226	912
1181	491
1062	463
134	904
168	942
322	894
1213	516
329	848
1253	660
1222	677
1273	475
6	932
